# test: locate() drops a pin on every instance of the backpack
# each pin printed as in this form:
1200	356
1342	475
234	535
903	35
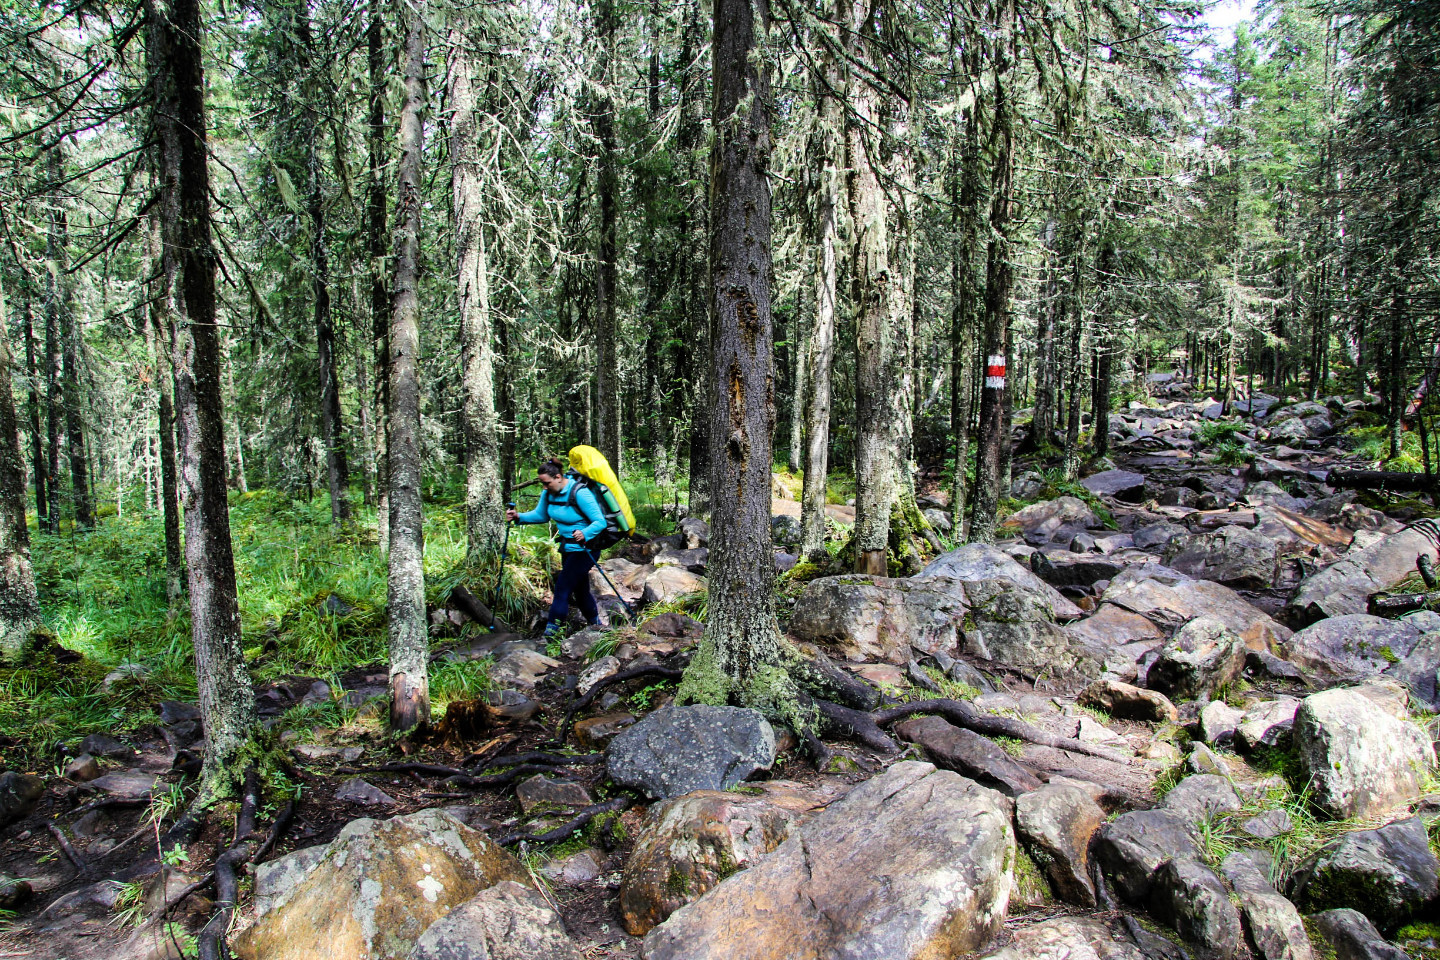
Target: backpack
590	469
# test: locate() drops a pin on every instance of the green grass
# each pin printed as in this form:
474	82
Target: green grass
1373	443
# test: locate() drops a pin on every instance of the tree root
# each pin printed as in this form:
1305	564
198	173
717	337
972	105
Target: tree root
964	715
499	779
662	671
540	756
867	728
67	848
565	830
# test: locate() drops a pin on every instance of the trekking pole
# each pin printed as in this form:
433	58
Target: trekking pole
628	612
504	555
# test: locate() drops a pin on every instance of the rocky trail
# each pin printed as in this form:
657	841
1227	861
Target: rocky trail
1158	721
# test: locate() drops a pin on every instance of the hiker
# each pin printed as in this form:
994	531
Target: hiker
579	519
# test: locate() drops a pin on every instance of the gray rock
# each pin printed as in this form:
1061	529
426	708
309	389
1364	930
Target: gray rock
1120	484
19	793
1132	847
1051	520
1389	874
1027	486
1218	722
1275	928
1232	555
915	863
1127	702
1157	535
1178	497
99	745
1056	823
696	533
276	880
508	921
1203	656
1074	569
363	793
678	749
1418	670
541	793
1190	897
1267	724
1201	797
124	784
968	754
1353	937
1204	760
602	669
13	891
983	561
1351	647
1266	664
1069	938
879	618
1264	492
1359	759
82	769
1268	825
1014	626
522	669
1345	586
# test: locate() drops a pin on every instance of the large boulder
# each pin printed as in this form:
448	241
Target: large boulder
691	843
1057	519
379	887
1350	647
914	863
1351	936
1203	656
1132	847
1201	797
1234	556
1120	484
1419	670
1013	626
1359	759
670	583
1113	626
1056	823
983	561
879	618
508	921
1171	599
1128	702
1389	874
1346	585
679	749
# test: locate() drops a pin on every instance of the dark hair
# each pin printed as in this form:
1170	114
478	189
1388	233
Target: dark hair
550	468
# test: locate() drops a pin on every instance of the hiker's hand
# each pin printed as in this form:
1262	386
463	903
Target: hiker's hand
512	515
578	536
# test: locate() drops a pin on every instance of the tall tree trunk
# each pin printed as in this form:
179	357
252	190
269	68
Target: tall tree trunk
965	196
740	652
1104	351
69	334
694	229
409	640
795	456
19	602
227	700
364	422
54	404
32	376
999	282
377	243
160	332
337	469
1042	422
876	294
484	503
607	332
822	337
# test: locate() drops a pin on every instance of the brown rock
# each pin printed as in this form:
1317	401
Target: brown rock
1128	702
595	732
380	886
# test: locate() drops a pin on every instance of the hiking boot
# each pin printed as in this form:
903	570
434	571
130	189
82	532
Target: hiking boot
553	631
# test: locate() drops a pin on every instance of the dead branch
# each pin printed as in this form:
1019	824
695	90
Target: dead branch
565	830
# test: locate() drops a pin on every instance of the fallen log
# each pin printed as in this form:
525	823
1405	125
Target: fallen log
470	605
1401	603
1382	480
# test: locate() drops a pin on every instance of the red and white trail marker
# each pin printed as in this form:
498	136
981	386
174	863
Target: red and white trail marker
995	372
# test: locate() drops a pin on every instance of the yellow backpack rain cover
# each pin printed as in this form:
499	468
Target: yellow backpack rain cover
592	463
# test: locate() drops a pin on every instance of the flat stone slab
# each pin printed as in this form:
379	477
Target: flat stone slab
679	749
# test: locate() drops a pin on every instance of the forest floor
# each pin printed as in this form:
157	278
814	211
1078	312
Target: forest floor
312	600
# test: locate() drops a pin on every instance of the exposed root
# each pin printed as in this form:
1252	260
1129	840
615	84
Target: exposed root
964	715
662	671
565	830
67	848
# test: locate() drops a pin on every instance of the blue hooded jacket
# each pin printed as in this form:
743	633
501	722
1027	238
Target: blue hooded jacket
556	506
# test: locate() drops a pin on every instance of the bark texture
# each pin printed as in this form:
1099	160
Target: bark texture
19	603
740	654
607	284
227	700
409	640
484	505
160	331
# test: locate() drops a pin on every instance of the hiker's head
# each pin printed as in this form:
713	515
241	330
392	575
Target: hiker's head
552	477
